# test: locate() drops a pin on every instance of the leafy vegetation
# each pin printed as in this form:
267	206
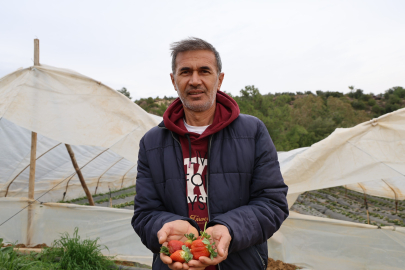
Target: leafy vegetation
301	119
10	259
68	252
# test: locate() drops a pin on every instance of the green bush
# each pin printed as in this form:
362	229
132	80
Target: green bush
377	109
358	105
371	102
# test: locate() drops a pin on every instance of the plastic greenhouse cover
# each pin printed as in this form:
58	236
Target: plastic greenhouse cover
54	170
310	242
322	243
369	157
62	106
68	107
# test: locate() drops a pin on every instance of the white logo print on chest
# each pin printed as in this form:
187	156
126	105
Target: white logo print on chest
195	179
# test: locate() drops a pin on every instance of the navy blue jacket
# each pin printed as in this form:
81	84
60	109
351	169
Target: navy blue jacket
245	189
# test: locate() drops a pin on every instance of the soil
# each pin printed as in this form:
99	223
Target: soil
40	246
23	246
279	265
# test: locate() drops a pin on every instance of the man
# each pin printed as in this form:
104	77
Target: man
207	163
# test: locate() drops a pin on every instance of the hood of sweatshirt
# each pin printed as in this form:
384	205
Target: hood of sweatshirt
226	111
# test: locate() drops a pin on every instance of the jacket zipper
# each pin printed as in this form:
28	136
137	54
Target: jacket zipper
175	138
261	259
208	172
207	181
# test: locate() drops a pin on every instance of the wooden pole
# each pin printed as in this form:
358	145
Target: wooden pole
31	188
33	158
79	174
110	198
31	184
36	52
365	203
396	206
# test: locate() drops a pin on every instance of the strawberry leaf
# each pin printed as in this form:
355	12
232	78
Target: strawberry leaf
206	241
212	251
190	236
165	250
187	254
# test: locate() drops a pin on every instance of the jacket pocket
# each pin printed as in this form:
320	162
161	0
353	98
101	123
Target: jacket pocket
261	259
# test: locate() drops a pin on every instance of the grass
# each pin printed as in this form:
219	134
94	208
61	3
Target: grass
66	253
77	253
10	259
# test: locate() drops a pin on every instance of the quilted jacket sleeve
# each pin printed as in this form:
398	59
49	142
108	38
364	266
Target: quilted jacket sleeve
267	209
150	214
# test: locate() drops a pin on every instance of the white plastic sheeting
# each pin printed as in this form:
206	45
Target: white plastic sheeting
63	106
369	157
310	242
68	107
101	168
112	226
321	243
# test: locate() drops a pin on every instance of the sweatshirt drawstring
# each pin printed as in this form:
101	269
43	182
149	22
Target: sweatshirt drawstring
189	149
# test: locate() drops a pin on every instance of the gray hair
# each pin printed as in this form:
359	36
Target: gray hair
193	44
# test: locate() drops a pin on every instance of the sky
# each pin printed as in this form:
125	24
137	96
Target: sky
278	46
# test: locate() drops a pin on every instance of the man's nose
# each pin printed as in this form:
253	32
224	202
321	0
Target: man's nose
195	79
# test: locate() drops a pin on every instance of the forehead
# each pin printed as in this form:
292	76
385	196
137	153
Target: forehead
196	59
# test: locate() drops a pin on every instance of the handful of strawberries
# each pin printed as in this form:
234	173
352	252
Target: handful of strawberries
192	248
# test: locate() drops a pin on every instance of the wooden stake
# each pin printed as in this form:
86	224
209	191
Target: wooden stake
365	203
110	198
33	158
31	184
79	174
396	206
36	52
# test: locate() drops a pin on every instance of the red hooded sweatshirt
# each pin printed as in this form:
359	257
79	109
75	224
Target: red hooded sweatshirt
195	151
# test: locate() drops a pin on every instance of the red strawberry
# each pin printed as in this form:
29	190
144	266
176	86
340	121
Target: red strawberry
198	249
182	255
190	238
174	245
203	247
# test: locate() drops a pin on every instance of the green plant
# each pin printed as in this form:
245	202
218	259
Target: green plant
10	259
75	253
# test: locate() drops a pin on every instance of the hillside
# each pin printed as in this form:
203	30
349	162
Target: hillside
301	119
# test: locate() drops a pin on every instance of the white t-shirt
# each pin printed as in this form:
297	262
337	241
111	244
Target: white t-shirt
194	129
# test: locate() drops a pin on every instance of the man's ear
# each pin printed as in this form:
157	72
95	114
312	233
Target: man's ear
220	80
173	82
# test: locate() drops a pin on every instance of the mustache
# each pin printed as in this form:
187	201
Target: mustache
192	88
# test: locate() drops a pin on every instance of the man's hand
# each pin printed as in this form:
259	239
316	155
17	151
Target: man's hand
220	235
175	230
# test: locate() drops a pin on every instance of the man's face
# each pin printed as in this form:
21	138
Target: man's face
196	79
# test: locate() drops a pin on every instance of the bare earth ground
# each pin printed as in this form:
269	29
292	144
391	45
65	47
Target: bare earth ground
279	265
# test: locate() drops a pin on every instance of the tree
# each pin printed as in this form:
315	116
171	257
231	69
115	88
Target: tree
125	92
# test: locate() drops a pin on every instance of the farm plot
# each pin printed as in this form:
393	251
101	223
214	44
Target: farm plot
122	198
339	203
